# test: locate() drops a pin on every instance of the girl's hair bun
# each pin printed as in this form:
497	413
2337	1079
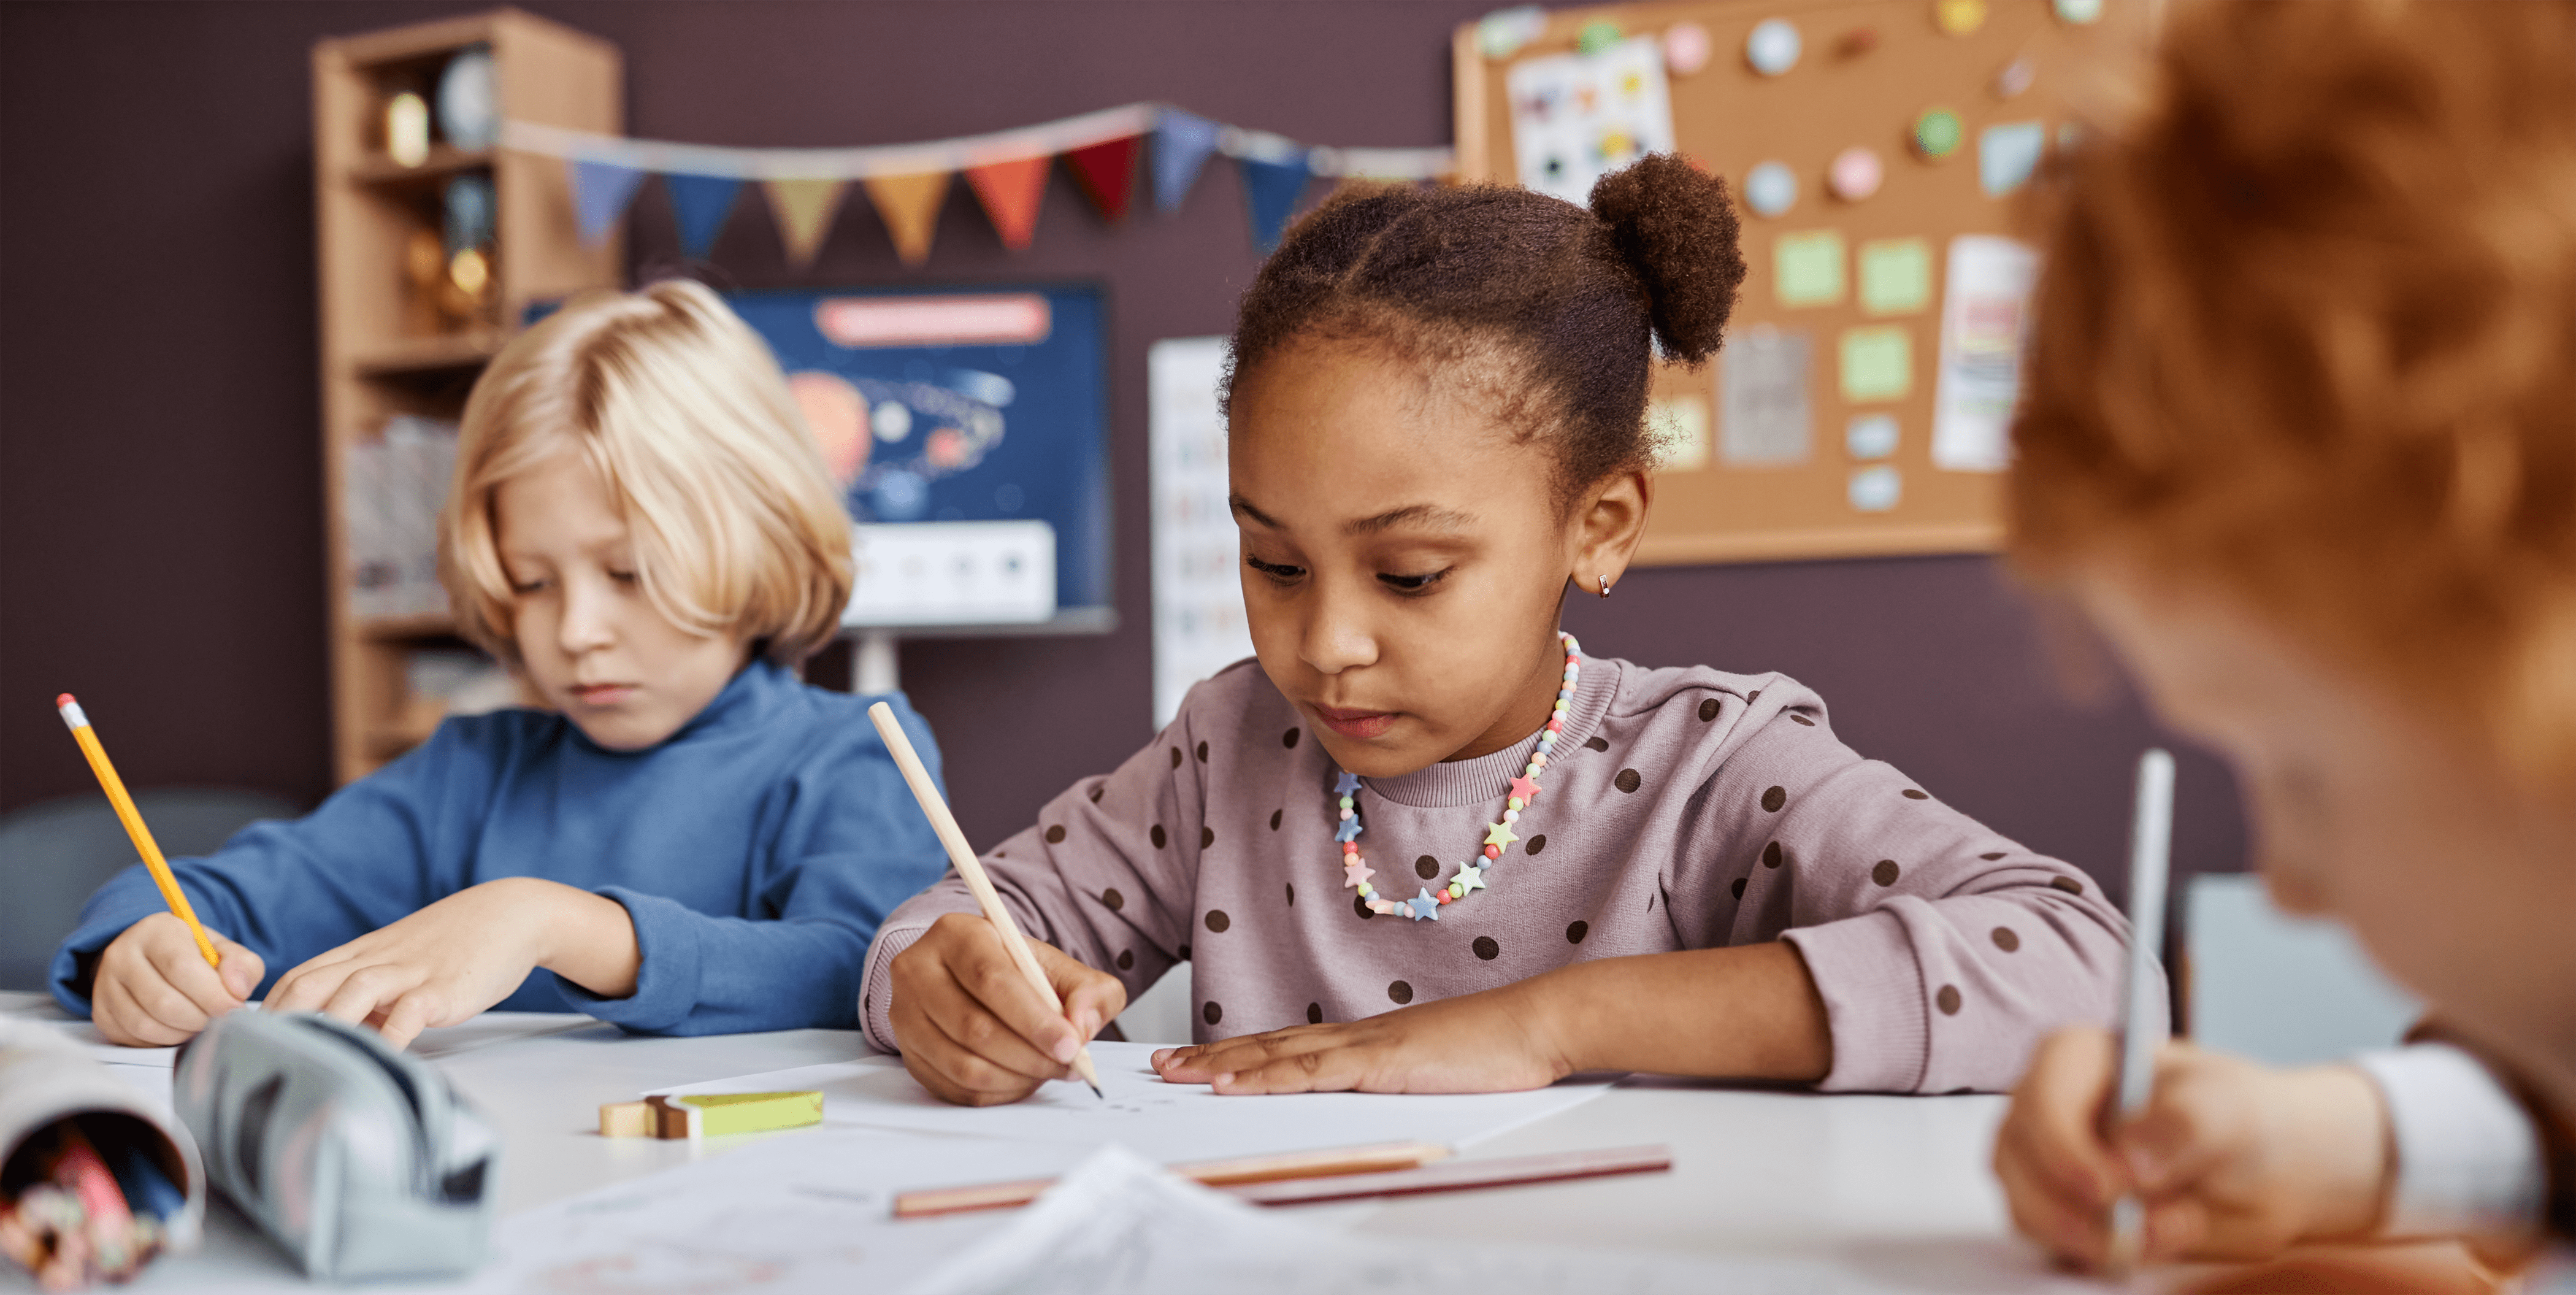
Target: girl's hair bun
1674	224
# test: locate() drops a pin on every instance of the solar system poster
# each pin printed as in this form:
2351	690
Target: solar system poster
967	404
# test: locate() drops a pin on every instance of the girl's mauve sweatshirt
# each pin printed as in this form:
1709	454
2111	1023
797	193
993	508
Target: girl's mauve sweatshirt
1684	809
756	849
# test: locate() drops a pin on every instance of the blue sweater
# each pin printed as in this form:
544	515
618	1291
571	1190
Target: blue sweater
756	850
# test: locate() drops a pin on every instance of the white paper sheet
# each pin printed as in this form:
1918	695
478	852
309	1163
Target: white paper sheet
1985	319
1577	117
1164	1122
1199	627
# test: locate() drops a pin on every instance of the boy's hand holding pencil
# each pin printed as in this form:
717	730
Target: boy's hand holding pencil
154	988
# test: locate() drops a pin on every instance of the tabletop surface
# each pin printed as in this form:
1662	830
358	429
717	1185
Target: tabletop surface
1897	1184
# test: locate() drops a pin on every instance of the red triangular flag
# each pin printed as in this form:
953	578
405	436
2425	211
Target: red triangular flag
1010	192
1107	173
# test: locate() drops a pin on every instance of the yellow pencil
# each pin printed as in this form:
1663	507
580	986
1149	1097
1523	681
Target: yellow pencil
969	867
133	820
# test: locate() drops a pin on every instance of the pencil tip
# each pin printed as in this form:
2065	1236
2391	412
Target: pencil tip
1095	1091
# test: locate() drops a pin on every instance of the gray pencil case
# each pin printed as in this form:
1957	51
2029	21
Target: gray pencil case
360	1161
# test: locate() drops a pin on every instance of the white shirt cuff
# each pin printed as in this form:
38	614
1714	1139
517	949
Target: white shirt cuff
2468	1156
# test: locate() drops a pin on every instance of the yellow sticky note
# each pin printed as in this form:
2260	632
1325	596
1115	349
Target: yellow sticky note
1878	363
1895	276
1808	267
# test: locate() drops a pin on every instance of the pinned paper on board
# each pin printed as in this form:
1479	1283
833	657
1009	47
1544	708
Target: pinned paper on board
1875	489
2007	155
1578	117
1895	276
1877	363
1807	268
1680	426
1985	318
1870	436
1764	418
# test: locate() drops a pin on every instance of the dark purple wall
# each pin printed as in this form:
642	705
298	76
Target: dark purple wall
159	494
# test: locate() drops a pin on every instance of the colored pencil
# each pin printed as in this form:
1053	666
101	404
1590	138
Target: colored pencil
1374	1159
82	733
935	808
1460	1175
2150	860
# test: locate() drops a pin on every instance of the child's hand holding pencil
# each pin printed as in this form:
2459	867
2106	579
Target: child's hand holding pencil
154	989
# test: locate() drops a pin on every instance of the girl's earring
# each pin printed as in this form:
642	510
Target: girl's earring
1605	586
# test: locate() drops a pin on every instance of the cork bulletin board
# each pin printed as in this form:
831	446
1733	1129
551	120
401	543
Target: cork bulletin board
1858	405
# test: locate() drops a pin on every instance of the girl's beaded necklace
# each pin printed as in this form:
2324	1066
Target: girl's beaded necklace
1471	874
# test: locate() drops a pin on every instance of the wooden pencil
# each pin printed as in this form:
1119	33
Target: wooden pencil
935	808
1375	1158
1459	1175
126	813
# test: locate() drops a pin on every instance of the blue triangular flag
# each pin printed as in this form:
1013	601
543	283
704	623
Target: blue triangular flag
1270	191
701	202
600	192
1181	146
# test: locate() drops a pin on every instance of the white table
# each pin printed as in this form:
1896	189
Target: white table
1896	1184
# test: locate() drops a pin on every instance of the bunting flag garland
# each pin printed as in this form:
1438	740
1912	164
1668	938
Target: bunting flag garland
1270	193
1181	146
804	211
1011	192
701	202
909	206
1107	174
600	192
908	183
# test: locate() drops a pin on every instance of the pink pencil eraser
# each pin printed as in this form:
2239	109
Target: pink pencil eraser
64	700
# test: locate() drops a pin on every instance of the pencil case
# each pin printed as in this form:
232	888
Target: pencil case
94	1178
359	1161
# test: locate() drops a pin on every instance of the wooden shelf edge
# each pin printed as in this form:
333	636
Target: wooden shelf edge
418	41
418	625
443	160
463	350
1834	542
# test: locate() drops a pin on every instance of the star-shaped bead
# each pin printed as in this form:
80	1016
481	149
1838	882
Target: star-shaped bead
1525	788
1348	831
1422	906
1500	834
1346	785
1354	872
1470	876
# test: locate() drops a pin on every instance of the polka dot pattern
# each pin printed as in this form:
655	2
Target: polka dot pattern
1426	867
1207	836
1211	1013
1314	1013
1274	818
1947	1000
1796	718
1771	855
1126	959
1773	798
2068	884
1289	739
1753	696
1113	899
1886	872
2006	940
1486	948
1739	887
1708	709
1096	789
1574	934
1535	844
1292	894
1912	794
1176	757
1596	742
1359	905
1055	834
1991	855
1401	992
1217	920
1628	781
1202	753
1160	837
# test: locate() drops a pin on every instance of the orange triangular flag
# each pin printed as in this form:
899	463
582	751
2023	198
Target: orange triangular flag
804	210
1011	192
909	205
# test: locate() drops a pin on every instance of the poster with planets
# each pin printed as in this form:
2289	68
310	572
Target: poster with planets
958	405
1577	117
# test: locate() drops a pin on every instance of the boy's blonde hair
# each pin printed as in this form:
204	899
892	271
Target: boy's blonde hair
679	406
2307	337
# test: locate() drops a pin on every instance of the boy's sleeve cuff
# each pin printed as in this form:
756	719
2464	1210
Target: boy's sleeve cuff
1874	1002
666	974
2468	1155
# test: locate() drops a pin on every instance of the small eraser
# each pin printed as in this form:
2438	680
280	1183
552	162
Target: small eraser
64	700
625	1120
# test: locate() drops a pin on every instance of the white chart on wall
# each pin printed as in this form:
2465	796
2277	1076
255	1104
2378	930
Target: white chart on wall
1198	596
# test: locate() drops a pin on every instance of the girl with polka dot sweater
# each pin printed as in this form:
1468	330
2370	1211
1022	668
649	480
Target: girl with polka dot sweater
1425	843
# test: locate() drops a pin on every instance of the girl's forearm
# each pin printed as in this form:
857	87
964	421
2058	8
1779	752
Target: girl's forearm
589	940
1750	1012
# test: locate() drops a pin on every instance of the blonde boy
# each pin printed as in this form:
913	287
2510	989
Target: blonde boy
686	839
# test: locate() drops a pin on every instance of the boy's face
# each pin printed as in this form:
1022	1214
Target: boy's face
2368	810
592	642
1403	561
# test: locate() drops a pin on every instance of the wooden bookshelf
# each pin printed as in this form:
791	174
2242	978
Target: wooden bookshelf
386	350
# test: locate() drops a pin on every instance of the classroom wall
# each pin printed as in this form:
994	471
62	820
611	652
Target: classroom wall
159	535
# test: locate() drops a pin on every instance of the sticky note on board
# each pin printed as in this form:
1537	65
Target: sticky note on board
1895	276
1680	425
1878	363
2007	154
1764	415
1807	268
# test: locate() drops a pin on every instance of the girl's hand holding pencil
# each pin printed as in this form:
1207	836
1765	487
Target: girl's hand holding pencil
974	1031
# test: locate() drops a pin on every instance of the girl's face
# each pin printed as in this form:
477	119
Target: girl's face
1403	560
591	641
2366	811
